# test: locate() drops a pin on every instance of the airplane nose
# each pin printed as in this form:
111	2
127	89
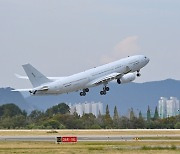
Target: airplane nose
147	59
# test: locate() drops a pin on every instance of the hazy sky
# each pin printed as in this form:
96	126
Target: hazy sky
63	37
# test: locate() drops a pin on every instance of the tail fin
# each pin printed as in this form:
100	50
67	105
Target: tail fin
36	78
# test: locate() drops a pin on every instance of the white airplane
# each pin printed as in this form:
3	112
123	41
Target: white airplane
123	71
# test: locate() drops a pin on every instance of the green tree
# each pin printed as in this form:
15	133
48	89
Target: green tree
177	125
10	110
54	124
140	123
35	114
124	122
88	120
148	114
116	119
107	111
116	115
61	108
19	121
107	118
156	115
7	123
100	120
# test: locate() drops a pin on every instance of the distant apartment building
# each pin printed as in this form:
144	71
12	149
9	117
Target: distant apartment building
87	107
168	108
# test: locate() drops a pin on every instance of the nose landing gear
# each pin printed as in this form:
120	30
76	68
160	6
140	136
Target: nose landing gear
138	74
118	81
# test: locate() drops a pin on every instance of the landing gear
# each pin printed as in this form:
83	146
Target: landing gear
83	93
86	90
118	81
103	92
105	89
138	74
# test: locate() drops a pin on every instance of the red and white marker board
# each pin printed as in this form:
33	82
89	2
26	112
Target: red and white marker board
68	139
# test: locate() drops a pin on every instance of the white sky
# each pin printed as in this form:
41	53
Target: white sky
63	37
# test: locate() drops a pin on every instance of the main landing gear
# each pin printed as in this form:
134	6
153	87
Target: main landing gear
138	74
105	89
83	93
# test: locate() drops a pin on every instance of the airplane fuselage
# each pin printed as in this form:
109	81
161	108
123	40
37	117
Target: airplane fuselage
86	79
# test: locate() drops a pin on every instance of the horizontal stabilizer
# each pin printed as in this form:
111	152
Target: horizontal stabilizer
21	90
21	77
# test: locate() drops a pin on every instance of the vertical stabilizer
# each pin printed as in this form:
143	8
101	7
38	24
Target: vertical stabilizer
36	78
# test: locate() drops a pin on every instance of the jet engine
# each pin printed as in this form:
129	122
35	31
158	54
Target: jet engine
126	78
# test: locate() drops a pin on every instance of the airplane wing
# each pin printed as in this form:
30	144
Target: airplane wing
107	78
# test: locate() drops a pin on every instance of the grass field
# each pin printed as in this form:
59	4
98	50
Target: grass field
90	147
90	132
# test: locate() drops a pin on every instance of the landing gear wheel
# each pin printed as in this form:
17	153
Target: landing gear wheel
118	81
82	94
138	74
86	90
102	92
107	88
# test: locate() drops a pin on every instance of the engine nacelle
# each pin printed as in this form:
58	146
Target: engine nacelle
127	78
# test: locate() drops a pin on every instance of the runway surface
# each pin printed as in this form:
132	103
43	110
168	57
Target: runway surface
53	138
86	138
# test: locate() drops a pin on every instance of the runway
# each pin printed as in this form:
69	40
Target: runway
53	138
83	138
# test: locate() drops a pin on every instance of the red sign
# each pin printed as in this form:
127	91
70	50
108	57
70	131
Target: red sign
69	139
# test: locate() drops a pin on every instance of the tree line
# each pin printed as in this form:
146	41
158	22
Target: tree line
59	117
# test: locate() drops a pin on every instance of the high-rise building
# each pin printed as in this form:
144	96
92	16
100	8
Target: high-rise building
162	110
92	107
168	108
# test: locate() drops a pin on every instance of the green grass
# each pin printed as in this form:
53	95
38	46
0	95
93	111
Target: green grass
161	138
90	147
172	147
